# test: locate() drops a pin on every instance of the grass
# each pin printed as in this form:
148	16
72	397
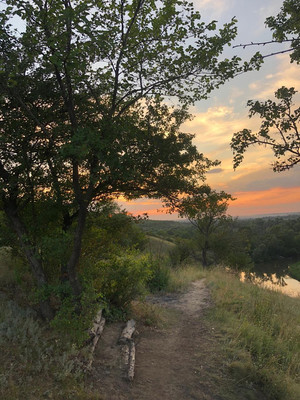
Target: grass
35	362
262	334
180	278
260	330
152	314
159	247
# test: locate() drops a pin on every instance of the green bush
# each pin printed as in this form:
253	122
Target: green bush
73	323
181	253
160	276
121	278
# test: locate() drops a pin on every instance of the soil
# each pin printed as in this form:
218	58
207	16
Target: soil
183	361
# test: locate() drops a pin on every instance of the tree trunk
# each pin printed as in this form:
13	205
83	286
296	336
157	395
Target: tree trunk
75	255
10	209
204	254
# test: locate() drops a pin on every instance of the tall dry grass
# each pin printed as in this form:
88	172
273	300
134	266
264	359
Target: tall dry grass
262	333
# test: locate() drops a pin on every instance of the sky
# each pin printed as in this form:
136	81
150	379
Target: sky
257	189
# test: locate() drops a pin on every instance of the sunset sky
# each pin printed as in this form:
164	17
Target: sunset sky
257	188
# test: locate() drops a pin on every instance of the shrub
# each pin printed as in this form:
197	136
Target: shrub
73	324
160	276
181	253
121	278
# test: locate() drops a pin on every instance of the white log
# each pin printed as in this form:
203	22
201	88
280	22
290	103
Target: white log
125	351
97	320
97	336
127	331
131	361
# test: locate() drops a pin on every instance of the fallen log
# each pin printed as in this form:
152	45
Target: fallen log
128	349
131	363
127	332
95	332
125	351
98	334
96	323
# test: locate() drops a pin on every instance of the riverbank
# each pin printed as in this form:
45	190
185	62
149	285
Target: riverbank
261	332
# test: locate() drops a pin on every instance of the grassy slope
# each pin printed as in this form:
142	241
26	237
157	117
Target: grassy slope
263	335
159	247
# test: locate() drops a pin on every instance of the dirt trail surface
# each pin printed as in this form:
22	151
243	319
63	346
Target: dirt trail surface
180	362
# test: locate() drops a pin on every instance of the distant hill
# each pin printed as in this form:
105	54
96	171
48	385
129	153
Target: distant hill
274	215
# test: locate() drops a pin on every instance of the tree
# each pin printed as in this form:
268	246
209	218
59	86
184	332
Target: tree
83	112
279	130
206	210
280	126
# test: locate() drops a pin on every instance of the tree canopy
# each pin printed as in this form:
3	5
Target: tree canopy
279	130
92	96
286	27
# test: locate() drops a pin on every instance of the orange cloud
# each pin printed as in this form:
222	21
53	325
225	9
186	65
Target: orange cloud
256	202
274	200
287	74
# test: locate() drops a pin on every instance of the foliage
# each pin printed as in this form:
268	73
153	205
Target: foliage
285	27
280	126
272	238
75	324
231	246
83	112
239	243
169	230
182	253
262	334
121	278
279	130
160	275
109	230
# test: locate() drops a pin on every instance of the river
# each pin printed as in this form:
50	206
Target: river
274	276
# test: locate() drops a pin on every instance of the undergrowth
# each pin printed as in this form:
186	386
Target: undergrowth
34	362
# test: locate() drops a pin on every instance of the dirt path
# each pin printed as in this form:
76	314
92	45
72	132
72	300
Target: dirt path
181	362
